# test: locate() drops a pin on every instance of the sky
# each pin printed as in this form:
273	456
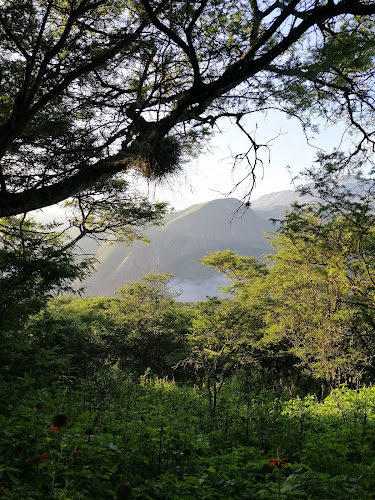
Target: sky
210	176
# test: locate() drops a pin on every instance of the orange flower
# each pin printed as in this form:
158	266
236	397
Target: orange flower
278	462
37	460
56	429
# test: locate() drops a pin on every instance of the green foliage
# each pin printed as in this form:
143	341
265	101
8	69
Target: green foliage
143	328
152	326
80	421
70	120
315	301
321	285
242	271
238	324
78	329
35	264
158	438
223	338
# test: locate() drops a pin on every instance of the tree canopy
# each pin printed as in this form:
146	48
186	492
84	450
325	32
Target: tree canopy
92	90
322	283
316	297
36	262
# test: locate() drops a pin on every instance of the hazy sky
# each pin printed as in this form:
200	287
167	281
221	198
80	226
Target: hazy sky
211	176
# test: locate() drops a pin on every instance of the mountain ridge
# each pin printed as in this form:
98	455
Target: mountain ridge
185	238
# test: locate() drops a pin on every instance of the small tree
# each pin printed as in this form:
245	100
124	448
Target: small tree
251	291
221	339
36	263
151	326
322	284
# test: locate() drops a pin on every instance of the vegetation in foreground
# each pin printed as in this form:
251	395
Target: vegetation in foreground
264	394
76	422
110	437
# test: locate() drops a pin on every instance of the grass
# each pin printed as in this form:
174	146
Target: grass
151	439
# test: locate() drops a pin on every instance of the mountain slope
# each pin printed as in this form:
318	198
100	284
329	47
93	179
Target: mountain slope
177	247
272	205
187	236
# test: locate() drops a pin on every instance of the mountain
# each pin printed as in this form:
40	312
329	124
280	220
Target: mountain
184	239
272	205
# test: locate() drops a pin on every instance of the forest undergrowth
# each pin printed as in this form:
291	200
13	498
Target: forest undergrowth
110	437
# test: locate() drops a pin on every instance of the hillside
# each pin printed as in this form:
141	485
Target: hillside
184	239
